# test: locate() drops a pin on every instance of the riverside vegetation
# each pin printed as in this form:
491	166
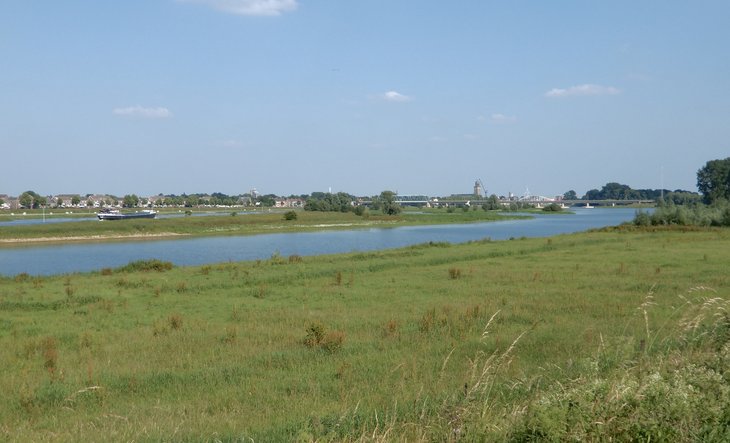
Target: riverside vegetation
235	223
621	334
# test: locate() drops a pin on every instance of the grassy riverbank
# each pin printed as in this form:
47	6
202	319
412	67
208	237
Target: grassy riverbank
242	223
482	341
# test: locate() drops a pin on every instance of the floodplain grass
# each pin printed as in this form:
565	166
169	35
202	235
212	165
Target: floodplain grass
252	223
240	350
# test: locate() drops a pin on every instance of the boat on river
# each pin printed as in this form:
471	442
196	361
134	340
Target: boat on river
114	214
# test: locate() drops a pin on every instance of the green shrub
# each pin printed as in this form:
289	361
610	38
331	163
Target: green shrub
552	207
147	265
290	215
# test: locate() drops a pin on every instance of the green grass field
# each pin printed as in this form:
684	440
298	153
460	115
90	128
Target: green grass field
481	341
240	224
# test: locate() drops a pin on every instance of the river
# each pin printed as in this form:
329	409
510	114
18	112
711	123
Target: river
77	257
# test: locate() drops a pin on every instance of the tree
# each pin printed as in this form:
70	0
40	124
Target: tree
713	180
31	200
570	195
75	200
130	201
388	203
492	203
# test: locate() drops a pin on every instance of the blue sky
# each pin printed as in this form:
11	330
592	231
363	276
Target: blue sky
296	96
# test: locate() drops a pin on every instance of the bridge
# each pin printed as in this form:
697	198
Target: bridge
534	200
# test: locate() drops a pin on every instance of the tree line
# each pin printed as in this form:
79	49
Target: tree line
618	191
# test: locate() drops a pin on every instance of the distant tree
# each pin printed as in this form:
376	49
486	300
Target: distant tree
31	200
713	180
570	195
492	203
59	202
89	203
191	201
2	202
680	197
267	200
320	201
388	203
592	194
130	201
75	200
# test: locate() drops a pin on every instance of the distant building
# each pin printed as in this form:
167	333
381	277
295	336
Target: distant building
289	203
478	191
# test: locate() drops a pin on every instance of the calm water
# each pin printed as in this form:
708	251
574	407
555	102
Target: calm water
60	259
92	217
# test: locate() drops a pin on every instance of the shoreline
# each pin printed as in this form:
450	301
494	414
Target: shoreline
89	238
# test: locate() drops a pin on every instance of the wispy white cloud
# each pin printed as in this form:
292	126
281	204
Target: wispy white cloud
582	90
249	7
140	111
501	119
393	96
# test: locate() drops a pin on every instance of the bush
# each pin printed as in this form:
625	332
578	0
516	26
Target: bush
552	207
695	215
147	265
290	215
318	337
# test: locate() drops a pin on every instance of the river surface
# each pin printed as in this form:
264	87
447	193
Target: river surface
69	258
35	220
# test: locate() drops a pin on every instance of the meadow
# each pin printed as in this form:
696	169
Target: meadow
615	334
233	223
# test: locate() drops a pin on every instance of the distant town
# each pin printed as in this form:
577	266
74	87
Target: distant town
610	192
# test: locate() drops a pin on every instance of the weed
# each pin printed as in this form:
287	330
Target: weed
338	278
205	270
22	277
106	271
333	341
454	273
230	335
175	321
391	329
236	313
70	291
85	340
49	346
428	321
181	287
343	370
315	334
295	258
261	291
